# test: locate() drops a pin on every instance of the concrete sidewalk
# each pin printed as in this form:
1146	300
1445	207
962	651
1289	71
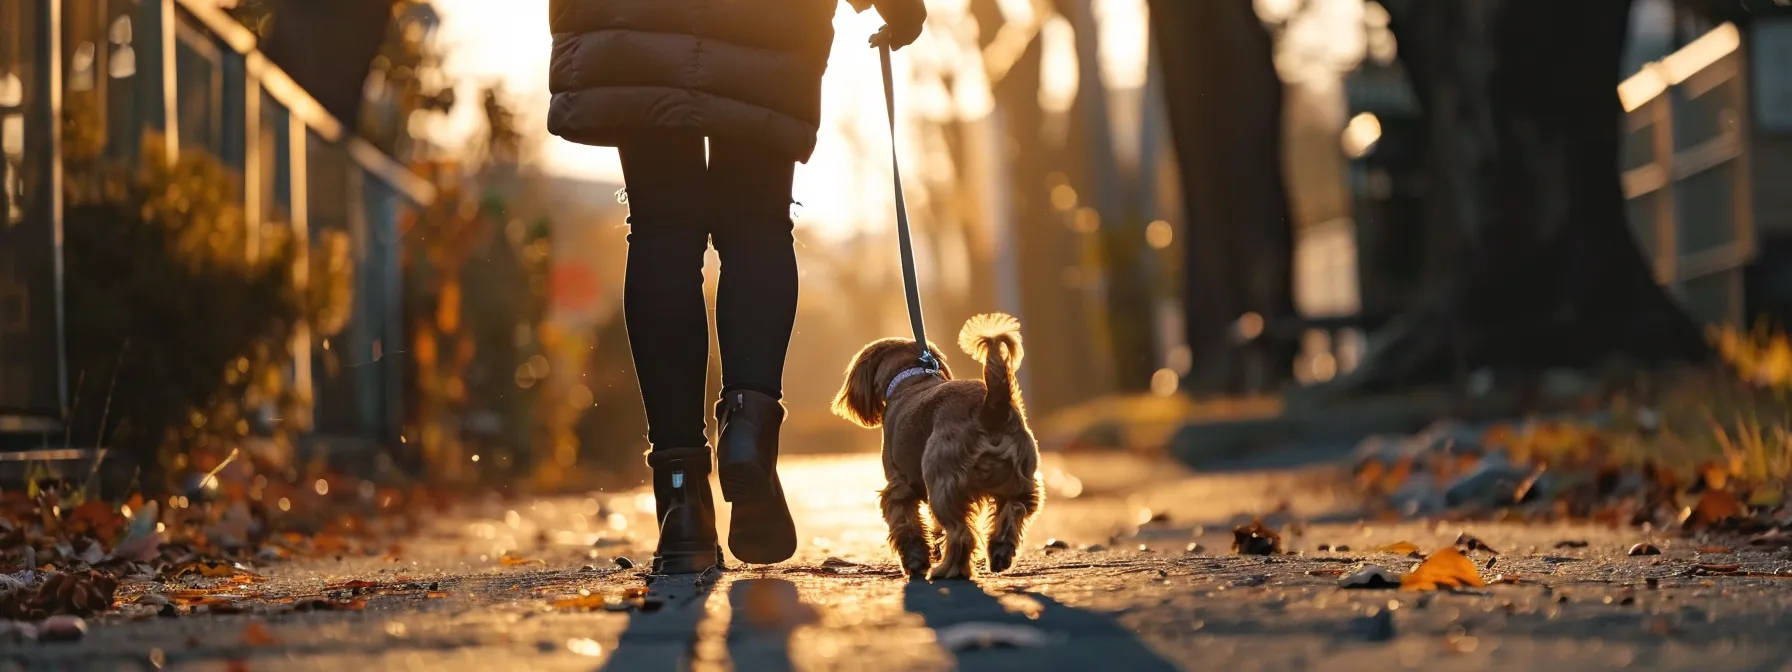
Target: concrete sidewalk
1121	595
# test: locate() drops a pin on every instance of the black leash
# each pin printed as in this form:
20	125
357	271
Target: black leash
910	285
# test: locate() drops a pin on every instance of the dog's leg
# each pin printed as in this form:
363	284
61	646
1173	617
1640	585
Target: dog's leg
908	533
953	511
1013	513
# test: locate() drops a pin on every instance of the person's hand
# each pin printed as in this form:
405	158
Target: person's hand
903	20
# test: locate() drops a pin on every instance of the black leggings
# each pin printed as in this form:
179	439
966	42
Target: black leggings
677	206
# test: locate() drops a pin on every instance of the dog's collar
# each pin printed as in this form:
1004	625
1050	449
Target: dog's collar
905	375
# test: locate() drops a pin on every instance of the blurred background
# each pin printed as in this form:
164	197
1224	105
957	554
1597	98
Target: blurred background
333	234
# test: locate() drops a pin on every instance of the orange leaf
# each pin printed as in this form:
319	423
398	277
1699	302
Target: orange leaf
436	594
1447	568
1715	549
1400	548
257	634
1716	506
512	561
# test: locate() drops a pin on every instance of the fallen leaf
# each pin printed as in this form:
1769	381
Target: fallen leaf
1468	542
75	593
975	635
1256	539
1771	538
583	602
1446	568
256	634
95	517
1645	548
1370	577
203	568
1400	548
436	594
1715	506
1719	568
512	561
1715	549
141	542
1572	543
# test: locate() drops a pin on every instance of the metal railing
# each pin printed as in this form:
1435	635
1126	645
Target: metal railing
188	70
1686	172
308	172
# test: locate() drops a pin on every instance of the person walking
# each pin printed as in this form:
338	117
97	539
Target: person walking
658	79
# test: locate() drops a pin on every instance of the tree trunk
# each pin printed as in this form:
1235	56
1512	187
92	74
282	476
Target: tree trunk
1540	267
1126	330
1225	106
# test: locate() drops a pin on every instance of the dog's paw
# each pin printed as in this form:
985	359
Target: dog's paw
915	563
1001	557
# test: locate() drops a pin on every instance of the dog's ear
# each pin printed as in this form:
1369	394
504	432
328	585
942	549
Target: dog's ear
861	398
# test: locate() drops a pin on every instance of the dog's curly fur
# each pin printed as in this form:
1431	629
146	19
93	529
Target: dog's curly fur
962	447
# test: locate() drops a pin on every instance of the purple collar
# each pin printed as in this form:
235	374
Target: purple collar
905	375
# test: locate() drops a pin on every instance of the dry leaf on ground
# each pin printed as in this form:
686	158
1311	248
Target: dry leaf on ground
1715	506
211	569
1468	542
1256	539
1771	538
1400	548
1370	577
1444	569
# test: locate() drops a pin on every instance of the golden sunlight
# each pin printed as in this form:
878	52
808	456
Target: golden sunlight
844	189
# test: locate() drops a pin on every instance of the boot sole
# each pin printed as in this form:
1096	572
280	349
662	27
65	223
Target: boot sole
686	564
760	530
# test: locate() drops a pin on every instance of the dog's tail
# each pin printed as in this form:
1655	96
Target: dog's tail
994	340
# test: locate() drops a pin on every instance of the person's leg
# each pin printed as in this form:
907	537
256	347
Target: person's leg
757	292
668	333
663	303
755	309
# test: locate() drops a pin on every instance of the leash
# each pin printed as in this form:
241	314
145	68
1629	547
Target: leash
911	287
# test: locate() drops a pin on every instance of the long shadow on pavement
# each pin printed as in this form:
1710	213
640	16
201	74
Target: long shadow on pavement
1076	639
765	612
664	639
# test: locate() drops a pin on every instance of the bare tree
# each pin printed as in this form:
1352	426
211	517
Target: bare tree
1225	106
1539	267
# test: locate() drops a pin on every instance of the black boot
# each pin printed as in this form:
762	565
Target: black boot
760	530
686	511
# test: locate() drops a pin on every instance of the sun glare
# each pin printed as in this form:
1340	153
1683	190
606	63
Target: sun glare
845	187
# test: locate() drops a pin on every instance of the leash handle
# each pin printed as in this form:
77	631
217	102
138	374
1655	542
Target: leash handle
910	285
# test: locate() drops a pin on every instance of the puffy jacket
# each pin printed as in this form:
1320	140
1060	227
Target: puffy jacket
725	68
